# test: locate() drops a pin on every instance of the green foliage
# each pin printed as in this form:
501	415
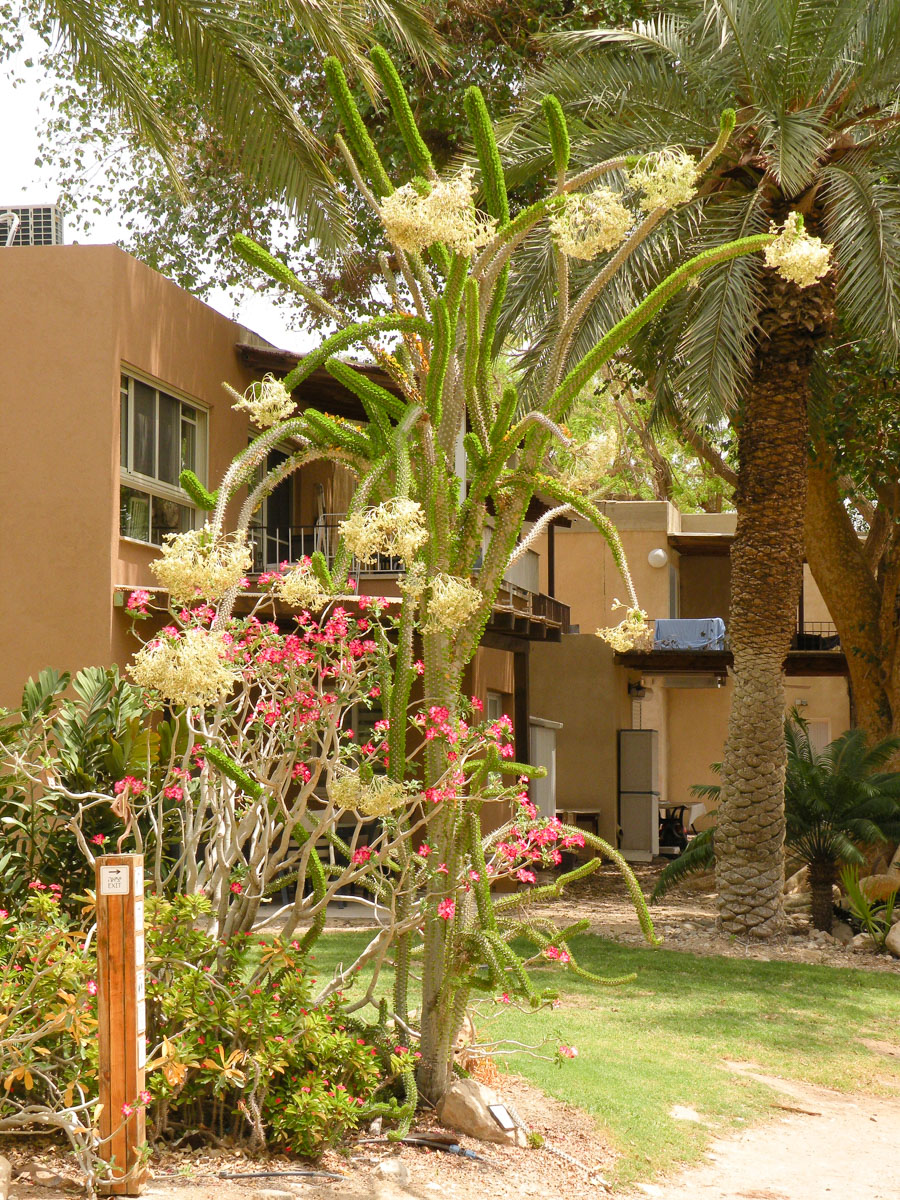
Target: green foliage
235	1041
875	916
835	802
201	497
232	770
93	731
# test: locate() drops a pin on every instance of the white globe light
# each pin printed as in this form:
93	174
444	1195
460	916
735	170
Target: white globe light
657	558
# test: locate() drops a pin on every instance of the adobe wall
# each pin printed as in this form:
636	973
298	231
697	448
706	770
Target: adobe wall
57	368
74	317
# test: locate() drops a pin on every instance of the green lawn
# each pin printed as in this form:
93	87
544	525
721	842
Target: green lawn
660	1041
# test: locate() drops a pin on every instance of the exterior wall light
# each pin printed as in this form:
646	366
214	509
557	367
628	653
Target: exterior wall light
657	557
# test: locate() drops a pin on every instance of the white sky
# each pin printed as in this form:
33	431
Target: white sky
21	182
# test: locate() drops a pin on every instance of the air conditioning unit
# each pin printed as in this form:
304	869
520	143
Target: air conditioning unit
38	225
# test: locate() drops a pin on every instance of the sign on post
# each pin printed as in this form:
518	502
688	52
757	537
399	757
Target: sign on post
121	1016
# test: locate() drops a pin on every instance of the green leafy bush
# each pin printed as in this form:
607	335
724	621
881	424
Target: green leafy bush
237	1045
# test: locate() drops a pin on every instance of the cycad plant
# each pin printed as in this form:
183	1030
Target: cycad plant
815	87
455	528
837	802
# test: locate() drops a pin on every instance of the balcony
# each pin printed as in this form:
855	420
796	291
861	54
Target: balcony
685	647
520	610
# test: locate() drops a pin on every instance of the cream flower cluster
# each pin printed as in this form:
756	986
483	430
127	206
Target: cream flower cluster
190	669
634	631
300	588
796	255
593	461
446	213
267	402
589	223
395	529
197	566
452	602
376	798
667	179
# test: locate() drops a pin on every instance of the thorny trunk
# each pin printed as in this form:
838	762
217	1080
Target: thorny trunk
766	566
822	877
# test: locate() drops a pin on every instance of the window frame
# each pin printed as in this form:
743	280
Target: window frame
196	415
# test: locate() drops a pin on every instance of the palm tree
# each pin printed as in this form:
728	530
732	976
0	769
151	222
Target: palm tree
226	53
836	801
815	86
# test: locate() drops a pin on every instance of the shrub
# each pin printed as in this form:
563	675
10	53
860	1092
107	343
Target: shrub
237	1046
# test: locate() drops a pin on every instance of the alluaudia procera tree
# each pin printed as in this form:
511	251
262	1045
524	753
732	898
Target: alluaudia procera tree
445	271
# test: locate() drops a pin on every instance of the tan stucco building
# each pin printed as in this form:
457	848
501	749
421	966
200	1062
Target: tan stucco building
111	382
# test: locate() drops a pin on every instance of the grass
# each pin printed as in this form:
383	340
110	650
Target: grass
662	1040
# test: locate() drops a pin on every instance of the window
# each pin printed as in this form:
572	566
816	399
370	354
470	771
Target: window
159	437
494	706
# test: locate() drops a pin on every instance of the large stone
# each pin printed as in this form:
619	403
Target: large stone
5	1176
892	941
464	1106
880	887
394	1171
841	932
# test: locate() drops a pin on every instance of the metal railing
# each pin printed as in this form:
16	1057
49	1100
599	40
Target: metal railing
272	546
816	635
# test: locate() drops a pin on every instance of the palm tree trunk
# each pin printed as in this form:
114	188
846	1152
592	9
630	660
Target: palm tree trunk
822	877
765	585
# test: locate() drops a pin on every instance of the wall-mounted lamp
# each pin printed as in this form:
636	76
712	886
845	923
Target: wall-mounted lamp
657	557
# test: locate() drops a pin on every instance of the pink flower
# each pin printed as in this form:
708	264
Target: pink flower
477	705
144	1097
3	914
136	785
568	1051
127	1110
446	909
138	600
424	850
525	876
301	771
419	667
173	792
442	869
37	886
237	888
98	839
503	998
362	855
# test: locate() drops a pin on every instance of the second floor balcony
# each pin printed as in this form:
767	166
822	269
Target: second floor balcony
700	644
520	609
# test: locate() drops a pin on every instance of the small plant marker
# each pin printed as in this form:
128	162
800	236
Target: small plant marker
121	1019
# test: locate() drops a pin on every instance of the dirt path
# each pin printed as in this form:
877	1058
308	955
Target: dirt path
825	1145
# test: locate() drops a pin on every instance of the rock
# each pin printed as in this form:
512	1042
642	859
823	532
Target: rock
272	1194
5	1176
393	1170
797	883
797	902
841	932
892	941
33	1172
862	942
880	887
464	1106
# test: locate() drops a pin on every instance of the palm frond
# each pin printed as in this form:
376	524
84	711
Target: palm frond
862	219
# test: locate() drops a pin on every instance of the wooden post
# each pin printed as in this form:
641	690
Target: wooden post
121	1017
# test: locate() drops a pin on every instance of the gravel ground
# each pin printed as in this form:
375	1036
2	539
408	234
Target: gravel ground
376	1170
686	921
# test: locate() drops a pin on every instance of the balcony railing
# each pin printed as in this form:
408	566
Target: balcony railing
816	635
271	547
